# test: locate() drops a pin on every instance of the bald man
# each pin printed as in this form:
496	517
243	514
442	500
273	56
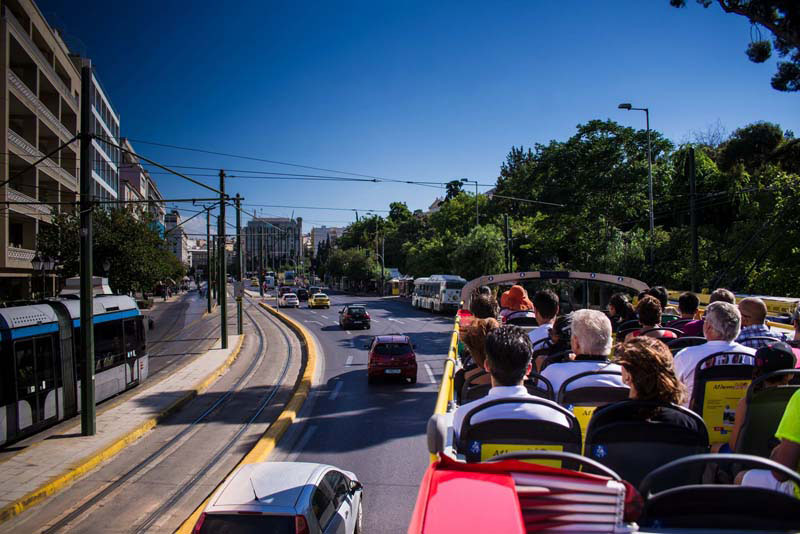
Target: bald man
754	315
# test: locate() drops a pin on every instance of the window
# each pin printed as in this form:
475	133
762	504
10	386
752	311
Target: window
26	370
247	524
45	365
340	486
322	505
108	345
131	337
392	349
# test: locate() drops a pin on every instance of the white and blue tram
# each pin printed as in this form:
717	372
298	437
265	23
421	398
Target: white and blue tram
41	364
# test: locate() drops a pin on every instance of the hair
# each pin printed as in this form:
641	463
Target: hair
545	302
724	318
592	329
796	314
508	351
641	295
755	307
474	338
722	295
485	290
660	293
483	306
622	306
774	357
688	302
649	310
650	365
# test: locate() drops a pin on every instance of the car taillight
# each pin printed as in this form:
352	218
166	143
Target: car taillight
300	525
199	524
366	315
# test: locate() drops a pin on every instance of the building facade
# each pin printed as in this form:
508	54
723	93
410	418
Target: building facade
273	242
40	102
323	234
176	237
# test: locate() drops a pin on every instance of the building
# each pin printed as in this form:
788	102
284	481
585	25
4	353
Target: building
322	234
273	242
40	102
133	180
176	237
199	259
156	206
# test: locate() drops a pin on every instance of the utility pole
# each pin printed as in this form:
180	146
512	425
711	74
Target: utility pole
223	279
239	328
690	168
508	244
88	415
650	184
208	258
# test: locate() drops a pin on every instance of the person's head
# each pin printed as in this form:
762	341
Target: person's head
483	306
660	293
774	357
618	304
753	311
722	295
648	370
508	355
545	303
649	310
474	338
485	290
591	333
722	321
517	299
688	304
561	331
796	319
641	295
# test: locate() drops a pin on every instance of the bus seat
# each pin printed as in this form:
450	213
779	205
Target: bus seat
682	342
675	331
583	400
669	317
626	327
486	439
646	431
677	323
536	384
765	407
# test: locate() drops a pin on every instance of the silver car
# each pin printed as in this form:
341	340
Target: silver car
288	300
285	498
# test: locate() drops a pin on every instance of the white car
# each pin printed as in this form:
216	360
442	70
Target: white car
290	497
288	300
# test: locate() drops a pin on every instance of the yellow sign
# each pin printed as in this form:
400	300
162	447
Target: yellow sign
490	450
583	414
719	407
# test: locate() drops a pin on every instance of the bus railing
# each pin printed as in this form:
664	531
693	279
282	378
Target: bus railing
446	392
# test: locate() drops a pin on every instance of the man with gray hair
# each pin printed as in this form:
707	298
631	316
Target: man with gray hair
591	347
721	328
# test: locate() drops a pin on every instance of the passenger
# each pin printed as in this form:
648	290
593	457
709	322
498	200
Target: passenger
769	358
620	310
721	327
591	346
474	338
695	328
560	334
508	360
483	306
786	453
545	303
754	314
649	311
661	293
688	305
516	304
795	341
486	290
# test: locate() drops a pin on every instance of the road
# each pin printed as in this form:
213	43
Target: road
376	431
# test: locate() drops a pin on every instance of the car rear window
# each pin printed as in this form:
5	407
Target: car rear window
357	311
392	349
247	524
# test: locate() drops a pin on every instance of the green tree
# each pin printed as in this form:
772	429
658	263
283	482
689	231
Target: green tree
453	188
479	252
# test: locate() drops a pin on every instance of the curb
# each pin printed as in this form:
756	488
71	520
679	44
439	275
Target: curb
88	463
268	441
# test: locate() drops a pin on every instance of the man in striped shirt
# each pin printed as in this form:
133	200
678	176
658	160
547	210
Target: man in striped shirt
754	314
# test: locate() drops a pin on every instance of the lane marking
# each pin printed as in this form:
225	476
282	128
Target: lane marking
336	389
349	361
348	332
430	373
323	316
317	322
302	443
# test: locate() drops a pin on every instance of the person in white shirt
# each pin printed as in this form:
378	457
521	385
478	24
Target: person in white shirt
545	307
721	328
508	361
591	346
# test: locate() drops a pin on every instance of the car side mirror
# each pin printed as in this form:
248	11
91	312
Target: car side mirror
355	486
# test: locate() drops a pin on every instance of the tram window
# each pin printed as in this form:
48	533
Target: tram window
131	336
45	367
108	345
6	381
26	372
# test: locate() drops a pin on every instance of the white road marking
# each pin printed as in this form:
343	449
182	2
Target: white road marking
349	361
302	443
430	373
348	332
324	316
319	323
336	389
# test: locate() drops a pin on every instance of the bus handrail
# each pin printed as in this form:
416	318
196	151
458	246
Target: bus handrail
446	392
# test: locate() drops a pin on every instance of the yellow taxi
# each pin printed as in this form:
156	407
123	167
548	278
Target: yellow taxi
319	300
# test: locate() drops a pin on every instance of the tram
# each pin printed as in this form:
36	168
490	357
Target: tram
438	292
41	365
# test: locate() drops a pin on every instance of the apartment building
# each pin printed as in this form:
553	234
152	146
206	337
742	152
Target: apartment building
272	242
323	234
133	180
156	206
176	237
40	102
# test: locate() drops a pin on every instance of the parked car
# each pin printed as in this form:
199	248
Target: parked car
288	300
302	293
354	315
285	497
391	355
319	300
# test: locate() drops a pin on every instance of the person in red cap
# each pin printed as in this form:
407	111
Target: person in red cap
515	304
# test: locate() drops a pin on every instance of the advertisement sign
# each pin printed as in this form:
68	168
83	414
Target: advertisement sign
719	407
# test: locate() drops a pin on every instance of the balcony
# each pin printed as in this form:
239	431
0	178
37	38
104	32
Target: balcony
48	165
20	254
28	95
12	195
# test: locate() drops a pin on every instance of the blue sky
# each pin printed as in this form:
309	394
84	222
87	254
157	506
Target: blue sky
405	90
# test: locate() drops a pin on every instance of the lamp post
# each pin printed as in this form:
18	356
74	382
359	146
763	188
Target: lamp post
465	181
627	106
43	265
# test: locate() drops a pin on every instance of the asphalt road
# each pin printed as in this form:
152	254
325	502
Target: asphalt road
377	431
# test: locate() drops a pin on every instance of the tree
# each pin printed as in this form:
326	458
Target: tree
454	188
782	18
479	252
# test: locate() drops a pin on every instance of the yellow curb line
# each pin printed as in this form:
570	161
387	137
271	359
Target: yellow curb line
266	444
90	462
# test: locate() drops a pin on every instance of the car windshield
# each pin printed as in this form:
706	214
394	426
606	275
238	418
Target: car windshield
392	349
247	524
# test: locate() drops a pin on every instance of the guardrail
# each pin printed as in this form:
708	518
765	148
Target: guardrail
446	391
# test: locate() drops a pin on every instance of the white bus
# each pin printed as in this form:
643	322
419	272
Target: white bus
438	292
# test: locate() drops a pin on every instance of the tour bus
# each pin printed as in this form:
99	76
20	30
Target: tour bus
611	468
438	292
288	278
41	366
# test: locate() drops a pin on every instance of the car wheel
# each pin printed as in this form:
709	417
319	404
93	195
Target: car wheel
414	379
370	379
359	519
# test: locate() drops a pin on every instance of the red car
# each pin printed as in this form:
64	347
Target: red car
392	355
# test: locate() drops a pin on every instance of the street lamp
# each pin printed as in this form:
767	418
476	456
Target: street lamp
465	181
627	106
43	265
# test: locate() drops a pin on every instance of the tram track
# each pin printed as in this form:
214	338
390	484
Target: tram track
174	444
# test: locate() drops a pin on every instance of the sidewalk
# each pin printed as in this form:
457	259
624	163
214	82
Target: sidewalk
44	468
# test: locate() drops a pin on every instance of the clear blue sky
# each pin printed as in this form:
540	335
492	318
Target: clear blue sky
407	90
